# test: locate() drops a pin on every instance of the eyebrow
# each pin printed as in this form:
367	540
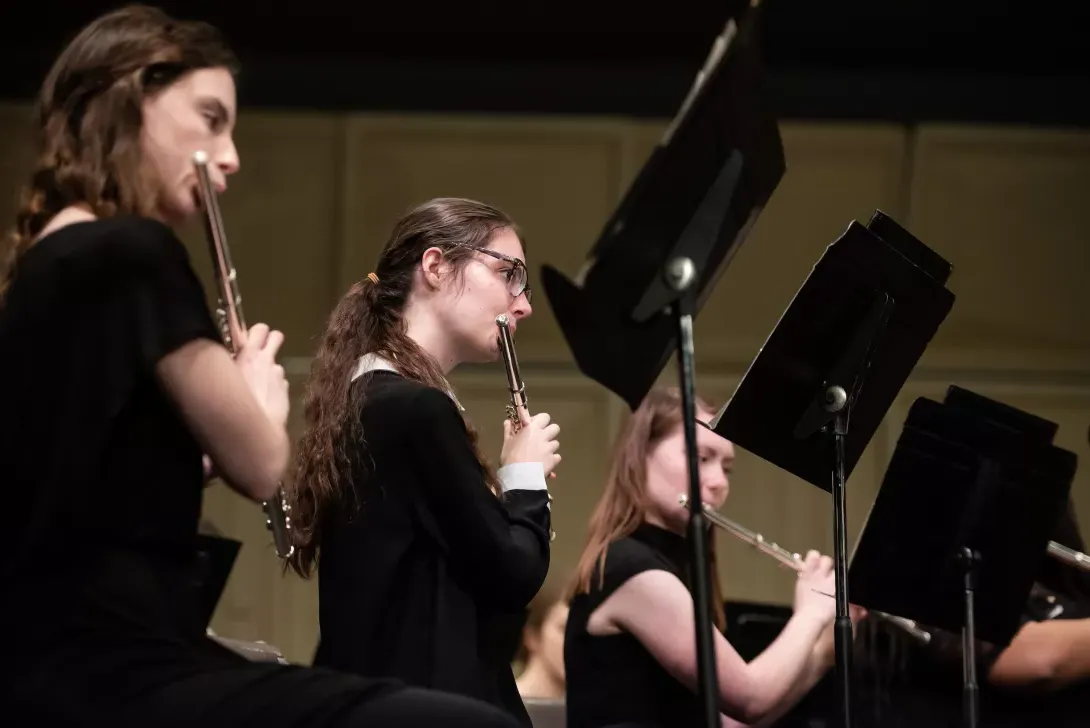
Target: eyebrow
217	106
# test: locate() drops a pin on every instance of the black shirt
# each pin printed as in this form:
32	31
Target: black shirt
423	570
613	679
96	460
102	485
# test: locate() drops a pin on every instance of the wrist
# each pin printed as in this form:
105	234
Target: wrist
522	476
813	619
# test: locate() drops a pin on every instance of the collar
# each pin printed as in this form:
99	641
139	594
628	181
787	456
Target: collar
671	545
373	362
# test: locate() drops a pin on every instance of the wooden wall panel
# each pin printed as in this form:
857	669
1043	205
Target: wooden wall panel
835	173
283	218
1005	207
16	157
557	179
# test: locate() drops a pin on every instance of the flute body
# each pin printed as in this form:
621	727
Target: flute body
233	327
793	560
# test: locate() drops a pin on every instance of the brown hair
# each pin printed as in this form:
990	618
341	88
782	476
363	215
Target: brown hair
90	113
624	499
368	319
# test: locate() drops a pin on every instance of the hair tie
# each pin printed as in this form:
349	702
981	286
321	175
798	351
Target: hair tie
373	277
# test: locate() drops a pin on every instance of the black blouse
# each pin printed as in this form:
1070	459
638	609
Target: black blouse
102	485
613	679
425	574
97	462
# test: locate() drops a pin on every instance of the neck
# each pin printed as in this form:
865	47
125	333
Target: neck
423	328
655	519
67	216
536	681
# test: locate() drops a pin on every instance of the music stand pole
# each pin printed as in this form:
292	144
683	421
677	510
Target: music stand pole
836	401
680	273
968	560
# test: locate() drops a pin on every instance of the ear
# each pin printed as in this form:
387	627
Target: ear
434	266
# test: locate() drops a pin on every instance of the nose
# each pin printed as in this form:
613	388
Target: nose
227	160
520	307
715	485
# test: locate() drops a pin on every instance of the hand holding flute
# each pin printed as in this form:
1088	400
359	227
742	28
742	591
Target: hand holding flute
526	438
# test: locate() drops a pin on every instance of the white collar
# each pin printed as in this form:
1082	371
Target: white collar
373	362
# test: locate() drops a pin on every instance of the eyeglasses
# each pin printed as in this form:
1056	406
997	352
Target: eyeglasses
517	277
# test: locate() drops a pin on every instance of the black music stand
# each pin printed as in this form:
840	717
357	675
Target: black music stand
957	531
216	557
839	356
661	252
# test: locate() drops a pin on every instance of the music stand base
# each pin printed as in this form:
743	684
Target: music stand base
679	275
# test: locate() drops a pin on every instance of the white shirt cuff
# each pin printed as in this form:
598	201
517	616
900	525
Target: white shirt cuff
522	476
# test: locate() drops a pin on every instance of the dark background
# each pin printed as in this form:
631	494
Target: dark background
960	60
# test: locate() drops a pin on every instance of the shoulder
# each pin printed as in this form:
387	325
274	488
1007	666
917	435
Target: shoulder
394	398
107	250
629	554
625	559
138	244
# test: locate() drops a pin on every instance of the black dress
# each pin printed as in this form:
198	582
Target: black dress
612	680
424	573
102	485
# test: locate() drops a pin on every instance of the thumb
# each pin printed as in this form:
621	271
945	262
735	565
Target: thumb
506	428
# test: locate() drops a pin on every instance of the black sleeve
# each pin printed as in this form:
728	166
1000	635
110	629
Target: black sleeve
160	301
502	550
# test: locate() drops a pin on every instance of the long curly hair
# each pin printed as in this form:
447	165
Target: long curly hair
89	117
368	319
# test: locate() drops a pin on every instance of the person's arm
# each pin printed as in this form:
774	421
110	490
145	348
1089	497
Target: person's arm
822	657
657	609
169	334
250	452
501	548
1045	656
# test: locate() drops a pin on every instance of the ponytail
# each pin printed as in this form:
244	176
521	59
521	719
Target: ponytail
323	462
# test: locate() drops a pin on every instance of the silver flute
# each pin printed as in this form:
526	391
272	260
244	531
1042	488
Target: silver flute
793	560
515	384
233	327
1071	557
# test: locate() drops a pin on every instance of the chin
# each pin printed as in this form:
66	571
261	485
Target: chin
178	211
491	352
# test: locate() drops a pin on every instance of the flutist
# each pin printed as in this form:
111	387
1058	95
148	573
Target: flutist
113	381
427	554
630	652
